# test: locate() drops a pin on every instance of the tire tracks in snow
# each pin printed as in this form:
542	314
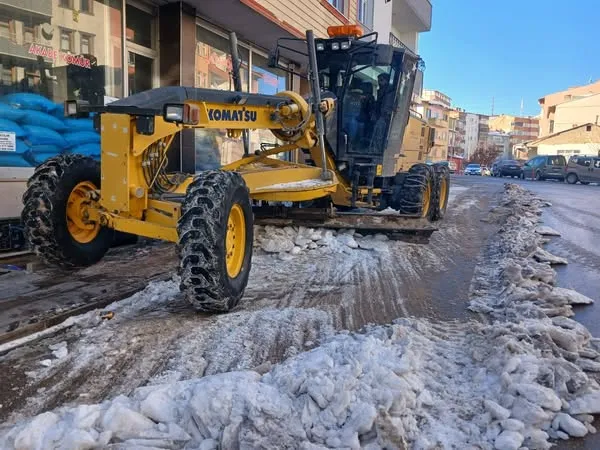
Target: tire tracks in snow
289	307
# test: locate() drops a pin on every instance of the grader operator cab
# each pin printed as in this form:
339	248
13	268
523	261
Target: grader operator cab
347	127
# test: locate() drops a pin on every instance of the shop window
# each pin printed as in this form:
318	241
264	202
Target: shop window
269	81
140	27
86	6
213	67
61	63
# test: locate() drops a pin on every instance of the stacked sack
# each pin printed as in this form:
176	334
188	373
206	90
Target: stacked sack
42	131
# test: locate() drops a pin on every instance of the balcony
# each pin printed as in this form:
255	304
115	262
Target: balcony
438	123
9	48
41	7
411	15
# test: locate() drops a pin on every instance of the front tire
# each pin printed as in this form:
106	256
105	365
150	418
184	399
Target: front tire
538	176
442	193
216	232
53	207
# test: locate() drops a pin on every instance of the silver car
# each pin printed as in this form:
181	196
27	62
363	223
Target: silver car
473	169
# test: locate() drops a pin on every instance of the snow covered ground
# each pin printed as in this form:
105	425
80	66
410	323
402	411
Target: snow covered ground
518	381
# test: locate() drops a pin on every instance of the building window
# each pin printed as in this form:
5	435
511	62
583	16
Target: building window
365	12
140	27
65	4
28	35
87	44
86	6
66	41
552	126
588	128
337	4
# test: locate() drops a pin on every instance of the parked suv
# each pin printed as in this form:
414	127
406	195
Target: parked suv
585	169
545	168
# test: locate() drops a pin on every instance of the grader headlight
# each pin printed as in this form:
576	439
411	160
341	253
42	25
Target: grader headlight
183	113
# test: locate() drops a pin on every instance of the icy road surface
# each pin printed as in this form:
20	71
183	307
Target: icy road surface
520	382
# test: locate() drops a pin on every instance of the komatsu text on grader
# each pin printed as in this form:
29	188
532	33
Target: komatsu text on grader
351	122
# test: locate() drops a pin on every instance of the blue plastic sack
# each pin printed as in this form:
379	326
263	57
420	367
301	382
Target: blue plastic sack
77	138
9	125
35	135
45	148
92	150
16	158
10	112
27	100
41	157
42	119
81	124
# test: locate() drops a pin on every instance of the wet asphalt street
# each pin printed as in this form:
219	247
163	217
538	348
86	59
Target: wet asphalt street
575	213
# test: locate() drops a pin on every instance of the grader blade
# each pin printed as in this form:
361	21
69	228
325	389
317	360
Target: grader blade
396	227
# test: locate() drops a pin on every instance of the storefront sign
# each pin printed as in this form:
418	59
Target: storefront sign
50	53
8	141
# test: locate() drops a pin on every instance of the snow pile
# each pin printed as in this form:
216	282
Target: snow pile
408	385
293	241
522	282
521	382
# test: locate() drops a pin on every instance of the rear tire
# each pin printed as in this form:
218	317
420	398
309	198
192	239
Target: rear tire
414	195
442	192
538	176
216	215
51	232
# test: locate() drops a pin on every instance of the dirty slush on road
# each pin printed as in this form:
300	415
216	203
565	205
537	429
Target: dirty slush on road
309	360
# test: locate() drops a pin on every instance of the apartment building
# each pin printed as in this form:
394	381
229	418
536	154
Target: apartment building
569	108
471	134
436	109
520	129
499	143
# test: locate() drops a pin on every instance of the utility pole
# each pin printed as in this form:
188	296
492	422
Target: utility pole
493	105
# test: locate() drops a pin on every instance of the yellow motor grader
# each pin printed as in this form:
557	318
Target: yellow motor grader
347	127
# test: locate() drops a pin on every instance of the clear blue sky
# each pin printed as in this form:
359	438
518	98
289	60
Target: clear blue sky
510	50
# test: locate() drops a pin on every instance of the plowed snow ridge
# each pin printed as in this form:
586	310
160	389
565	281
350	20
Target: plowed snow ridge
518	382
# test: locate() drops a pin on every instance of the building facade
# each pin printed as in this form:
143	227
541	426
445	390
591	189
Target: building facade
521	129
577	112
498	143
471	134
581	140
436	114
549	123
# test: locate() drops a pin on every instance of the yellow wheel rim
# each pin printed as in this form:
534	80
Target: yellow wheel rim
443	192
81	230
235	241
426	199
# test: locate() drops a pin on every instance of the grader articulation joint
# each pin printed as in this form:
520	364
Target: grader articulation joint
347	129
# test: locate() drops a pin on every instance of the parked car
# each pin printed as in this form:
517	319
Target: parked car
585	169
545	167
508	168
473	169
